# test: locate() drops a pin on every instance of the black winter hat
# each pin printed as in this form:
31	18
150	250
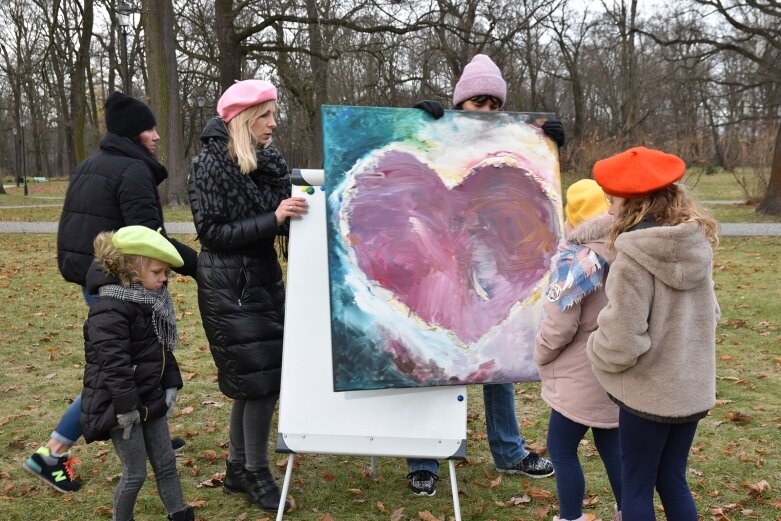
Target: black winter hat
127	116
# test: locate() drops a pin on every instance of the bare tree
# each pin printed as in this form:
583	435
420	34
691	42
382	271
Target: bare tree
158	22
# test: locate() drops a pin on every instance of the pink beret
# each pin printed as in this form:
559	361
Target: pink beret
244	94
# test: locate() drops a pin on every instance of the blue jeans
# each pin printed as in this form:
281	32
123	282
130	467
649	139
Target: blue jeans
504	439
655	454
69	428
564	437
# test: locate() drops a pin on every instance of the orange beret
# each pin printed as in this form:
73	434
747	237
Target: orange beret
637	172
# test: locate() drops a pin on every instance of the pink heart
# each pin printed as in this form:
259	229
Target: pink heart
458	258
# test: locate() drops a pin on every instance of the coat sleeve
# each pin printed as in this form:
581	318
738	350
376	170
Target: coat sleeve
189	256
138	197
556	332
622	326
219	234
109	332
140	205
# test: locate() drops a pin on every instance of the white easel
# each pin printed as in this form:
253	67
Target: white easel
315	419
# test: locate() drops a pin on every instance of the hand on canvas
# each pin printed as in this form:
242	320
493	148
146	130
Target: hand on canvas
292	207
434	108
554	130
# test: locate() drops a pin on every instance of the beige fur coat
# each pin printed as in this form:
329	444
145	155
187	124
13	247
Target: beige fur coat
655	347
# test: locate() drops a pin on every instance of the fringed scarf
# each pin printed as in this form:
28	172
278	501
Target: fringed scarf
577	272
163	314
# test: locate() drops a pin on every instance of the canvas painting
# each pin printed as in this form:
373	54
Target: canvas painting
440	236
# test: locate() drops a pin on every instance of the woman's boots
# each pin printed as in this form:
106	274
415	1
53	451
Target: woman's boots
188	514
263	491
235	478
260	487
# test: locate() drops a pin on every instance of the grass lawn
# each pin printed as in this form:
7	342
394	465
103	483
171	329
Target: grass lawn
734	472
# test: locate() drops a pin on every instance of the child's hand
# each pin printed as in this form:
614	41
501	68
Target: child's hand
170	400
126	420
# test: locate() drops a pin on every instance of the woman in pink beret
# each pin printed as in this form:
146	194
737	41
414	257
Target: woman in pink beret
240	198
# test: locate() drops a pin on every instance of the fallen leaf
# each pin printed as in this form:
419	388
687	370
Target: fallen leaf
207	454
737	417
758	488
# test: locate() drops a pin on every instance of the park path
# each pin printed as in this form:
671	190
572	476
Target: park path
725	229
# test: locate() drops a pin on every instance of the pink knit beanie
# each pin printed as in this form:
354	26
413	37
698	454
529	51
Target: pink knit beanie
244	94
481	77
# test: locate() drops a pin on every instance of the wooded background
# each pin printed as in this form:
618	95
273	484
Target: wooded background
699	78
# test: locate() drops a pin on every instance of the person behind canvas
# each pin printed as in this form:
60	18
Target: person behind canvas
482	88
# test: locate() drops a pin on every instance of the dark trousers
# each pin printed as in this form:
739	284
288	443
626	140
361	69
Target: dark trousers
564	437
654	455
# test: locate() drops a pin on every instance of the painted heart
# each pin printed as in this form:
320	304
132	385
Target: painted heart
458	258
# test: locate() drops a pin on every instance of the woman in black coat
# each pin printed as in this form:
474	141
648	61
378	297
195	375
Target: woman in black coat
240	198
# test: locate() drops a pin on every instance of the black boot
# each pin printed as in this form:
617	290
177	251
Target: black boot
188	514
263	491
235	478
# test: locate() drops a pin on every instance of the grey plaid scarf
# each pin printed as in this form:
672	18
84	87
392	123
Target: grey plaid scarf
163	314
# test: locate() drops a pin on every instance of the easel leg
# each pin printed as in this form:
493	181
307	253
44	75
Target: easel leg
373	467
454	488
285	486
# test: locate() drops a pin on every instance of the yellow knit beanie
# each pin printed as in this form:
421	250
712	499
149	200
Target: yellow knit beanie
585	199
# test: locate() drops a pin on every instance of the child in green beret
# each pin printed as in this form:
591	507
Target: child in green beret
131	376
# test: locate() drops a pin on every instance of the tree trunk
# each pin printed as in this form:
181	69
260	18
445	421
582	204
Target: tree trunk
78	89
158	23
319	91
771	203
229	47
629	98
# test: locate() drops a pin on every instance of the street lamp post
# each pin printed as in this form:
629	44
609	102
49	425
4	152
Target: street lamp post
16	157
123	13
201	101
24	163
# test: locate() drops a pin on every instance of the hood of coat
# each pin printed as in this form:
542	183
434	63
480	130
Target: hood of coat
96	278
215	129
680	256
593	233
124	146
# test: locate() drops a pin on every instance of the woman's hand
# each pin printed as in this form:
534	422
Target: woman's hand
292	207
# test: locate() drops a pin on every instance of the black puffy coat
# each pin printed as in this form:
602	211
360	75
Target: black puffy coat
126	366
116	187
240	291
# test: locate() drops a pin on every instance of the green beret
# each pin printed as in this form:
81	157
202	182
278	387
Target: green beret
140	240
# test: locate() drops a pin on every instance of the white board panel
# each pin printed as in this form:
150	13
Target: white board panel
418	422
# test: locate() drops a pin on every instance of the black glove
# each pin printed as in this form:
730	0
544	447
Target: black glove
430	106
554	130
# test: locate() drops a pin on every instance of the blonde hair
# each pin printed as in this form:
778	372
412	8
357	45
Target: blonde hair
123	267
669	206
242	145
